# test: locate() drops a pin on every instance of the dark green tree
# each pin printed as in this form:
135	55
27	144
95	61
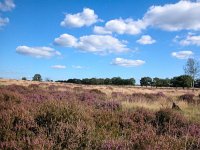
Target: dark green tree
146	81
24	78
37	77
181	81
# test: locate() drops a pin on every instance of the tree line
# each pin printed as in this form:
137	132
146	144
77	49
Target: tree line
189	79
101	81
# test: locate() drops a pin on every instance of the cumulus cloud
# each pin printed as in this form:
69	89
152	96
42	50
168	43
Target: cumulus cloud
7	5
58	67
101	30
182	54
66	40
3	21
38	52
190	40
183	15
85	18
121	26
146	39
127	62
174	17
101	44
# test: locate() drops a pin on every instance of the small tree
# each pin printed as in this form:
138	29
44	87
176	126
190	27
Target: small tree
192	69
37	77
24	78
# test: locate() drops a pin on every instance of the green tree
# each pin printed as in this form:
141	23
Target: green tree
146	81
181	81
37	77
24	78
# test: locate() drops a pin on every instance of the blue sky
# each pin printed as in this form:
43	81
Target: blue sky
102	38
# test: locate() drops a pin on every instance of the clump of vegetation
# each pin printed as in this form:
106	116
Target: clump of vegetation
189	97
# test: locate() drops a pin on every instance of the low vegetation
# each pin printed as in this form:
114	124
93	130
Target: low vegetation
42	116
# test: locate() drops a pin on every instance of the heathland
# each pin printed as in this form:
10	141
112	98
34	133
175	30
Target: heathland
49	115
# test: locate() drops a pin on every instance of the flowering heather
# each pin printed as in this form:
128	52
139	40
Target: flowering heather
38	117
188	98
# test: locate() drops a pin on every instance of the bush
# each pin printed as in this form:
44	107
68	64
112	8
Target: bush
108	105
170	122
188	98
66	124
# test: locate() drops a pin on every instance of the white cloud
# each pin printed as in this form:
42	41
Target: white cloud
121	26
85	18
174	17
66	40
101	44
183	15
101	30
190	40
58	67
7	5
127	62
3	21
38	52
77	67
182	54
146	39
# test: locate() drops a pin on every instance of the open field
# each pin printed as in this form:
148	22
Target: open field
48	115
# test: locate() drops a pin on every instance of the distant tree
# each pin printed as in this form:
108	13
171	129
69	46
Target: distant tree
131	81
76	81
192	69
166	82
37	77
158	82
107	81
116	81
146	81
197	83
181	81
24	78
86	81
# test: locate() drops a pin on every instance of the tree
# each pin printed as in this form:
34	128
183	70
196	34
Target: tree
181	81
197	83
192	69
158	82
24	78
146	81
37	77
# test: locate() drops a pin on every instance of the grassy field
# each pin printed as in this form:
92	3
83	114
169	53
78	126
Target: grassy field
45	115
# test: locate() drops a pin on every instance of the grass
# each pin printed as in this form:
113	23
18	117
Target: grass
192	113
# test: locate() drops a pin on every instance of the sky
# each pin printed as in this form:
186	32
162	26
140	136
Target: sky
97	38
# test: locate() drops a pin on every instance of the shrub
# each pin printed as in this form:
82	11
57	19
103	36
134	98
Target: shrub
170	122
111	105
143	116
66	124
10	96
188	98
